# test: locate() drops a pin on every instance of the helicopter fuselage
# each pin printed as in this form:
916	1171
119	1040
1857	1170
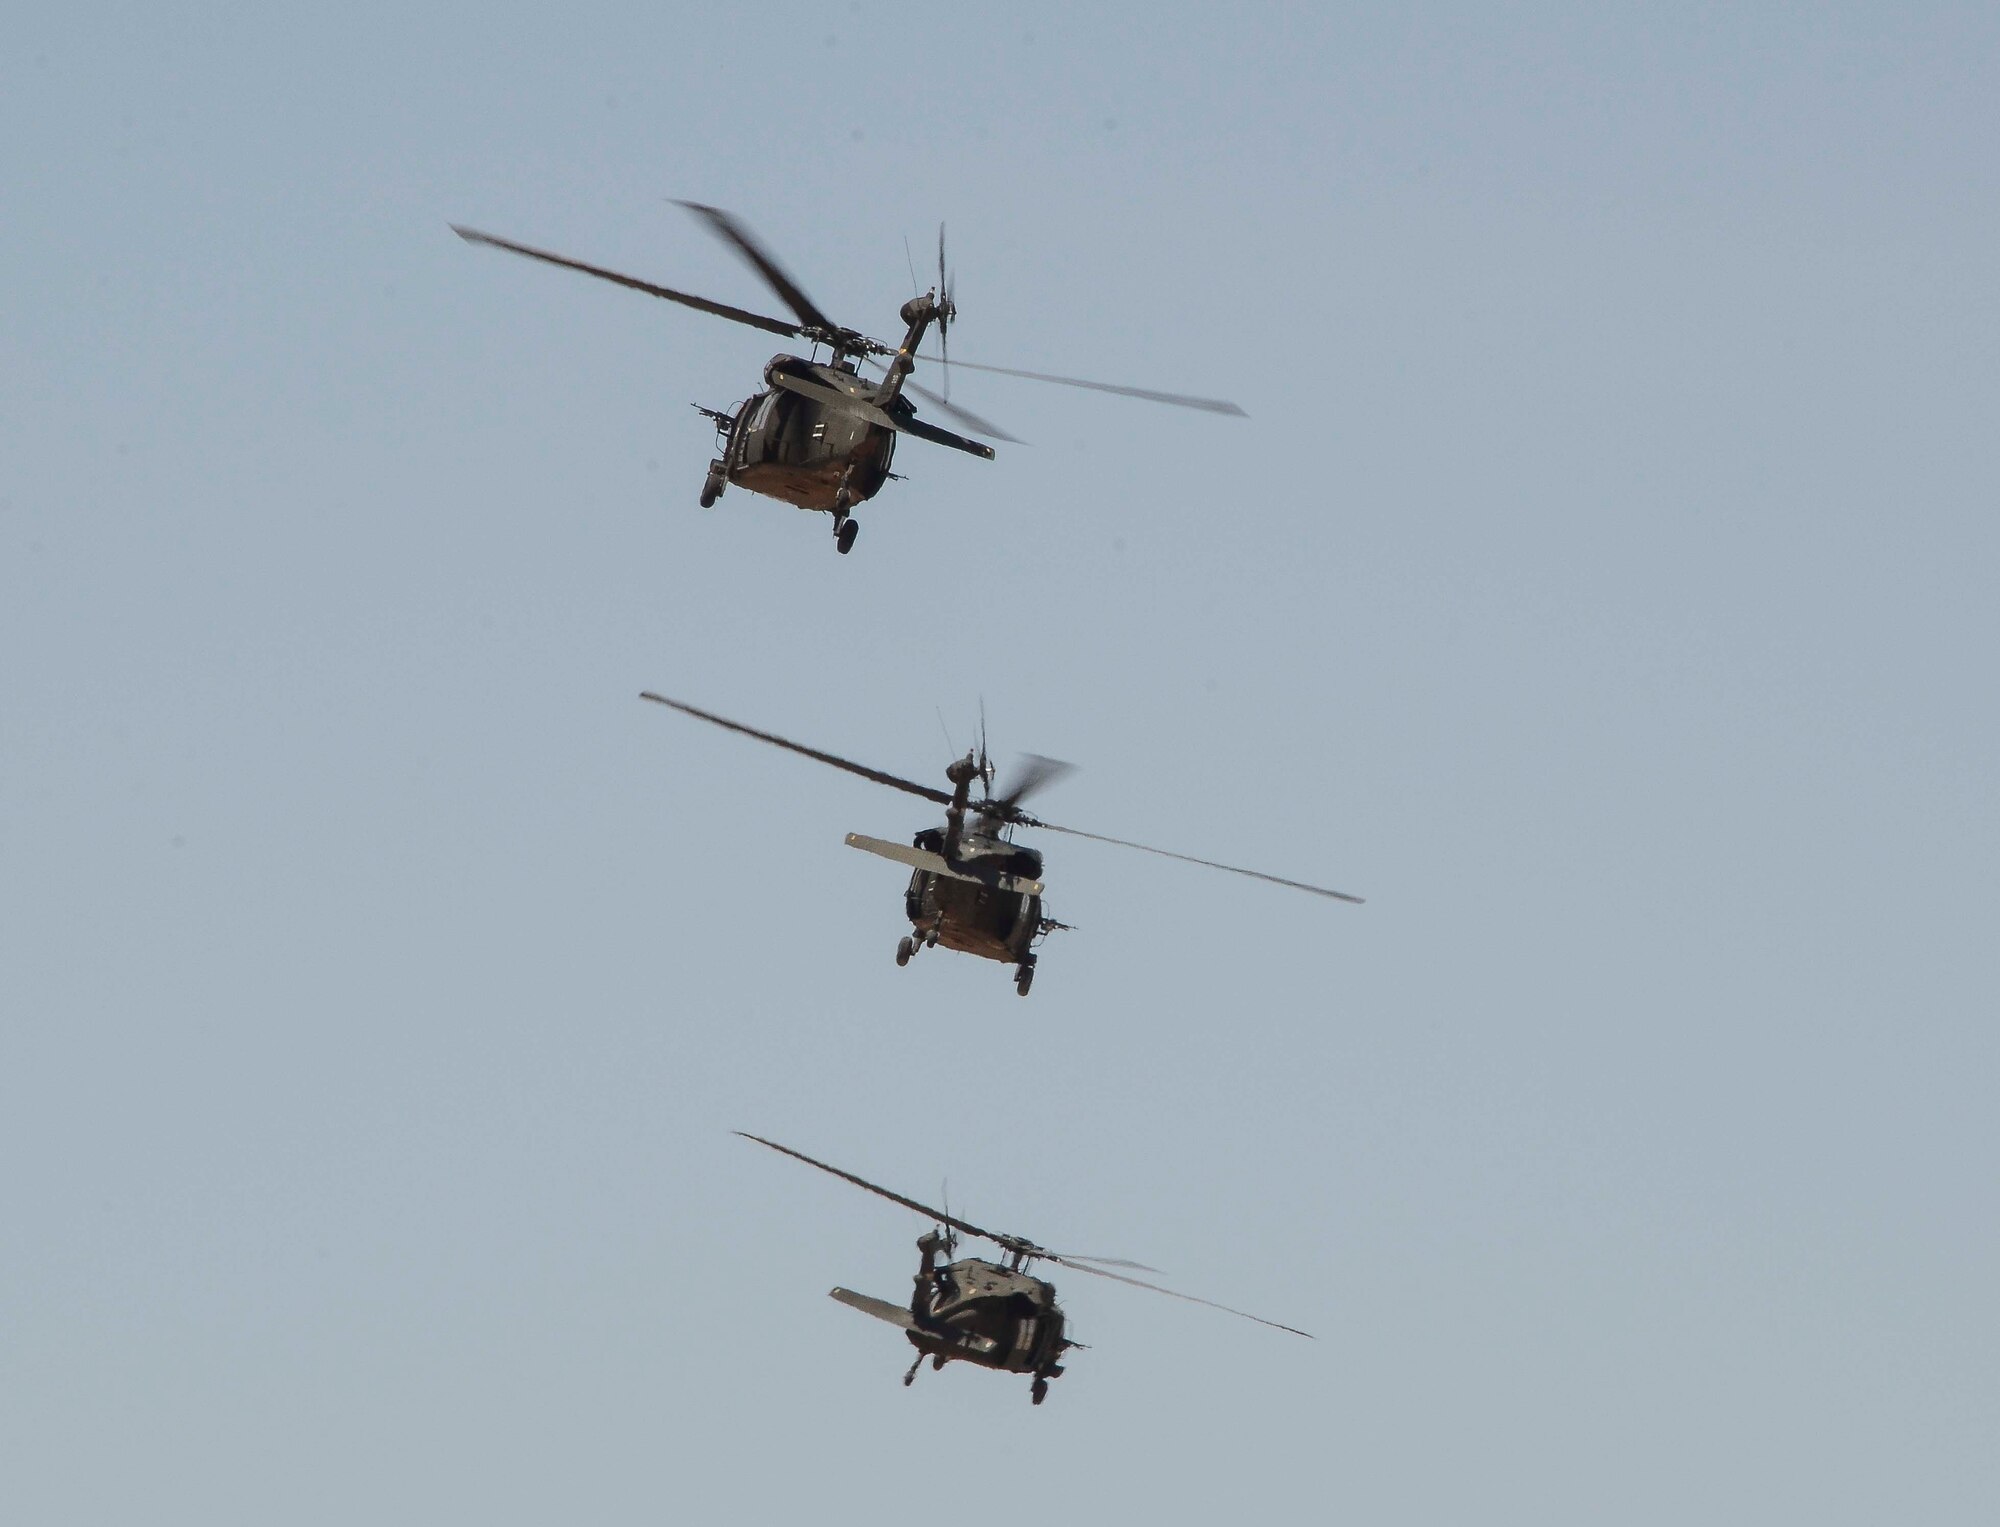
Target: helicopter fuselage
804	450
970	916
820	435
978	1312
981	1312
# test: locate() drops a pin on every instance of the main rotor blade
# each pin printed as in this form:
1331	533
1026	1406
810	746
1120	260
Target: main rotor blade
687	299
1071	1258
760	259
895	782
1032	774
1178	399
1176	1294
1024	820
895	1198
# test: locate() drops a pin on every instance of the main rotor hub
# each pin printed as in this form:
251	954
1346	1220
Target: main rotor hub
1019	1252
845	341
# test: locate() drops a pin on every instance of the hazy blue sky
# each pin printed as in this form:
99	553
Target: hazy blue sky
1603	584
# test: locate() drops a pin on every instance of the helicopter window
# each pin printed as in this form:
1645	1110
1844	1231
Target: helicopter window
1027	1325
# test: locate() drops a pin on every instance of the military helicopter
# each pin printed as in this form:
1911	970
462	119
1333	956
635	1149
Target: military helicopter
992	1314
820	435
971	887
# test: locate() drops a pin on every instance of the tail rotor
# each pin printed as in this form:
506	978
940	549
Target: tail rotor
947	1230
985	758
947	310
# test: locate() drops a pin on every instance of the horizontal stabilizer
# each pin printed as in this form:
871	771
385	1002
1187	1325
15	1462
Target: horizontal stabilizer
938	436
937	864
829	397
873	413
881	1309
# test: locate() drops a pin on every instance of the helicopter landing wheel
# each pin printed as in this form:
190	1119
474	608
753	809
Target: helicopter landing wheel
1024	978
843	536
904	949
1038	1391
712	485
909	1378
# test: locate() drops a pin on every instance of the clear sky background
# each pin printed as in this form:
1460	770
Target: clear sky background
1602	584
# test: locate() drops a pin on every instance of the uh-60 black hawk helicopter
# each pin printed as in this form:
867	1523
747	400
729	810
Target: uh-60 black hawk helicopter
996	1315
972	888
820	435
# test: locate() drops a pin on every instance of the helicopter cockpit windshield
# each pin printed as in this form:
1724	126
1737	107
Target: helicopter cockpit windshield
772	433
